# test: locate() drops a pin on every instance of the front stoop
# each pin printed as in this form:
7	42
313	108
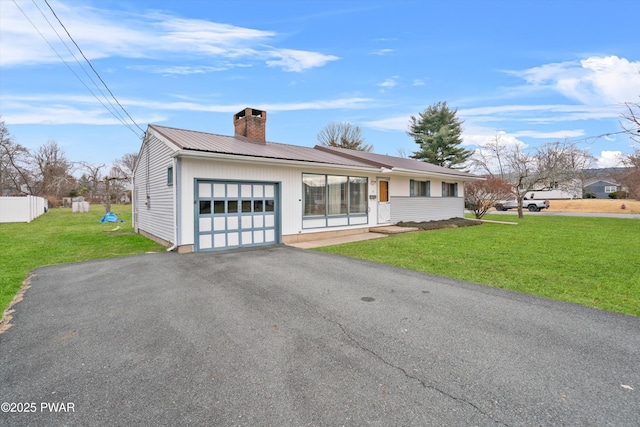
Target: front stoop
336	240
392	229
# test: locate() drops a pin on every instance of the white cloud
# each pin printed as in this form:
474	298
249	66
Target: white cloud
62	114
74	109
382	52
596	80
103	33
389	124
418	82
479	136
556	134
609	159
297	60
388	83
178	69
542	114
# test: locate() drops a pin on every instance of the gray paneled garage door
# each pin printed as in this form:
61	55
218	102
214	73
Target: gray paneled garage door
236	214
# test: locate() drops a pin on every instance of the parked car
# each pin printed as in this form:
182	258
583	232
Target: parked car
532	205
470	203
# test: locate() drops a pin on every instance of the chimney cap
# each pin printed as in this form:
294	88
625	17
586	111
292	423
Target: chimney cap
249	111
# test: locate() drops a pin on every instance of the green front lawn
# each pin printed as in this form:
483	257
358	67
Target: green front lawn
61	236
589	261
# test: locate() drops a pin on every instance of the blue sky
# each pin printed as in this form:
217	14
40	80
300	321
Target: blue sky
530	71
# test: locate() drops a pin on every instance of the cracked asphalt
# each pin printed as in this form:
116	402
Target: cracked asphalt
285	337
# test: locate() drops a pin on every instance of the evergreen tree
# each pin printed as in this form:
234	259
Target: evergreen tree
438	132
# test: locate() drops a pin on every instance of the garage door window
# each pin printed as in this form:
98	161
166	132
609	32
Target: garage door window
205	207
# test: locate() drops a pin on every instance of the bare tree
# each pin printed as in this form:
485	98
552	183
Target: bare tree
343	135
53	170
91	180
123	167
15	173
481	195
105	188
630	177
633	117
401	152
554	164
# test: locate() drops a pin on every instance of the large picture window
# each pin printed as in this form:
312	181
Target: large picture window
334	195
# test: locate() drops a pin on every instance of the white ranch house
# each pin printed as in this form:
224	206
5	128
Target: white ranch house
196	191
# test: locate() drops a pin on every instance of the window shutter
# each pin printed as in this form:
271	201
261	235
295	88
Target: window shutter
412	192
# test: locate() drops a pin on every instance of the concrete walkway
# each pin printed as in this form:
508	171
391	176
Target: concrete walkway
374	233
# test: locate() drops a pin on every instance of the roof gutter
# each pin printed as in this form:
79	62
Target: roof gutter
413	172
268	160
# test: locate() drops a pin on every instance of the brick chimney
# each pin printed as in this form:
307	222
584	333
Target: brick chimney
251	124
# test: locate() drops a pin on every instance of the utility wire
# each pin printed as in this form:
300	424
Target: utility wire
71	69
113	109
90	65
592	139
121	118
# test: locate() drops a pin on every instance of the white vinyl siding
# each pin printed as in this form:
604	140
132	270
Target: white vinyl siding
154	201
426	208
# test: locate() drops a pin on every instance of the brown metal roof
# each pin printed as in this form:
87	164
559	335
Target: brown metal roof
213	143
190	140
391	162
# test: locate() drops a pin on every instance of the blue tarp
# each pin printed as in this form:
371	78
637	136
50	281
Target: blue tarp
110	217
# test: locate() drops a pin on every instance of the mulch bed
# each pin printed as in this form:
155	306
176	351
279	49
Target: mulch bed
437	225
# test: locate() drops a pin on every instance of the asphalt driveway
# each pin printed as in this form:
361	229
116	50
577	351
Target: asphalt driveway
286	337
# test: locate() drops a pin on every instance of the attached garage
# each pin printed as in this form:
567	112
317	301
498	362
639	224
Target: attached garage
236	214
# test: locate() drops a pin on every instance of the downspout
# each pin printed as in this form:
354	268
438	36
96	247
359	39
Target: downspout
134	200
177	165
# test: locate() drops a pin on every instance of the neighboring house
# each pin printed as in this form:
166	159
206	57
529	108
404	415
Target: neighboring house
600	182
601	188
200	191
571	189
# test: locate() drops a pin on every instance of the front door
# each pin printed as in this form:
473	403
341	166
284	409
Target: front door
384	207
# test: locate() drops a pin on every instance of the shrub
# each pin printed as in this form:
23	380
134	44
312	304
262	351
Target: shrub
619	195
590	196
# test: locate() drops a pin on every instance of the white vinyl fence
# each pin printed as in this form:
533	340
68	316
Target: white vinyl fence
22	209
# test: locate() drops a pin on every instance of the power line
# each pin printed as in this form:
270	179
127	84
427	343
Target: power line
592	139
114	113
114	110
90	65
